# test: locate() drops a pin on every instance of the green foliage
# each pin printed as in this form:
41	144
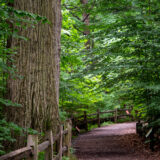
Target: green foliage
79	90
7	102
127	119
107	123
5	133
63	116
90	127
121	68
6	130
41	156
65	158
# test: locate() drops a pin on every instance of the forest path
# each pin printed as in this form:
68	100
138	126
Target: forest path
109	143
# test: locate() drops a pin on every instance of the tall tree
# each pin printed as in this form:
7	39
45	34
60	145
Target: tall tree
86	22
37	64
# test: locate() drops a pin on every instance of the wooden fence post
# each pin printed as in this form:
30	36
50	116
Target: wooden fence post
32	141
85	121
98	118
115	116
49	151
61	143
68	137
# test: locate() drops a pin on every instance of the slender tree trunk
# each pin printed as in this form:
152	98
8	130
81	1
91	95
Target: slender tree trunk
37	62
86	22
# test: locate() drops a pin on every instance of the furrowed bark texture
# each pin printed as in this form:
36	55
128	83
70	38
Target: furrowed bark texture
37	61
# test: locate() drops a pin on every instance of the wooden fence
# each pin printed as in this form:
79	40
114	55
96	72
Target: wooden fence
30	152
87	118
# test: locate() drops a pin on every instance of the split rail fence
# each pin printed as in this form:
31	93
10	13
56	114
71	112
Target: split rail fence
62	141
85	119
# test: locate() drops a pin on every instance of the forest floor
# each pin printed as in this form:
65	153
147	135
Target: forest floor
113	142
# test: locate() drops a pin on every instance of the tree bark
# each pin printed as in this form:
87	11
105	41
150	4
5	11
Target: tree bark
37	62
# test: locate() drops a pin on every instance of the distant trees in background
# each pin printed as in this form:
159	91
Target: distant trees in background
122	67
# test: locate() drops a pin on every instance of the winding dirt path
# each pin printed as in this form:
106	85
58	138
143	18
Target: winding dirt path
109	143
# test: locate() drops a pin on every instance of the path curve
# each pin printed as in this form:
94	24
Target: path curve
105	143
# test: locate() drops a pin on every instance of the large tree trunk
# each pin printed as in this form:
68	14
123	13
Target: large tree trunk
37	61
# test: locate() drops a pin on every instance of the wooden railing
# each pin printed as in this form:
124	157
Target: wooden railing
30	152
87	118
